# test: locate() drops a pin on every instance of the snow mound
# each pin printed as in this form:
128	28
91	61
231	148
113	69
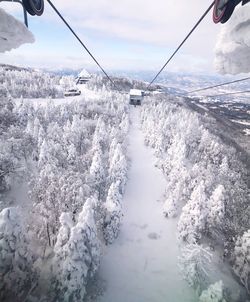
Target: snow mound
233	44
13	33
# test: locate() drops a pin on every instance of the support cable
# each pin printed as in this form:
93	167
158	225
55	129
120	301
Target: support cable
218	85
83	45
229	93
193	29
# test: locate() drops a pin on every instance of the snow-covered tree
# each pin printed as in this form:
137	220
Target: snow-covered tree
214	293
194	216
118	167
78	134
242	259
124	125
97	173
100	136
113	213
77	255
73	192
217	207
16	273
177	190
8	162
7	166
194	263
44	154
112	146
72	155
47	207
7	114
64	231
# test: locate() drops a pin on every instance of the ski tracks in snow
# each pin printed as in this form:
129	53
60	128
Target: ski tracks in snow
142	264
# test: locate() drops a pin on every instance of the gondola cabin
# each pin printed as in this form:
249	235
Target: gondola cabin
135	97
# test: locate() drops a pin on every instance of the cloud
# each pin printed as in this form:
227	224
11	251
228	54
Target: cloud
121	33
158	22
18	58
232	53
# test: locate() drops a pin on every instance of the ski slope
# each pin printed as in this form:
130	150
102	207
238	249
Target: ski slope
142	264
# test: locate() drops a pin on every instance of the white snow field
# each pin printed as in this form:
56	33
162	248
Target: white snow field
13	33
142	264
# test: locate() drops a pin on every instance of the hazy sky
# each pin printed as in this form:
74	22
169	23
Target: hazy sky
122	34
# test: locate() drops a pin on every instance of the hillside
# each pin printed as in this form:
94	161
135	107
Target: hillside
79	188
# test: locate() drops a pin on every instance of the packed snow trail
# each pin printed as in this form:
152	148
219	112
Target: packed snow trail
142	265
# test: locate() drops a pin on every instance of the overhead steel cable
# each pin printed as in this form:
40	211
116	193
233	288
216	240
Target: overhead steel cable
228	93
83	45
178	48
219	85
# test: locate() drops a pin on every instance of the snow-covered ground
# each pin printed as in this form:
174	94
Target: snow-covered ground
242	122
142	264
87	95
246	131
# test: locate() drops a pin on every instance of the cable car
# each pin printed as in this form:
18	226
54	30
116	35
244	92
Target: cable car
135	97
223	9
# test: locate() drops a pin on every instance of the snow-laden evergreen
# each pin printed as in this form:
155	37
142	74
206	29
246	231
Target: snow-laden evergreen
118	166
206	179
214	293
195	264
242	259
16	271
77	254
112	210
9	143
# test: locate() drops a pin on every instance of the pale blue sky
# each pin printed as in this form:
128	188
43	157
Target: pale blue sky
122	34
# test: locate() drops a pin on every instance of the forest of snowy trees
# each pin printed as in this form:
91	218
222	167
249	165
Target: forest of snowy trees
23	83
63	171
206	188
67	166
